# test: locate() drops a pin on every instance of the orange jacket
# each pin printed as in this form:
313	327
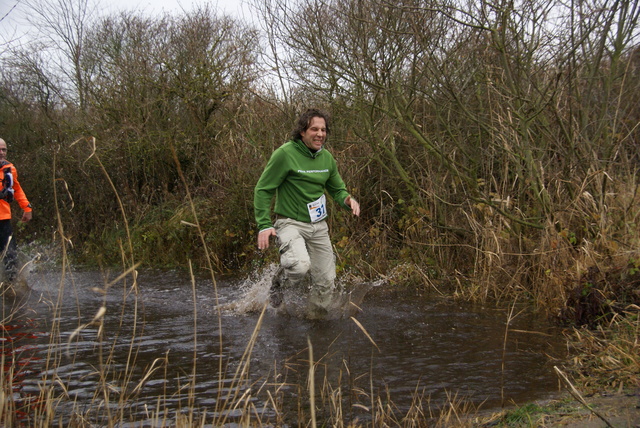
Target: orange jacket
18	194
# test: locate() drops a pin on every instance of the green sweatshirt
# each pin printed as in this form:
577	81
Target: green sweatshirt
296	176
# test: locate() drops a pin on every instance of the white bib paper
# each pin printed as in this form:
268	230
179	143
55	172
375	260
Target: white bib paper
318	209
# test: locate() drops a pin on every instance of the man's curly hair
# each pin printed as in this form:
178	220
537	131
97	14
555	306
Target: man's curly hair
305	120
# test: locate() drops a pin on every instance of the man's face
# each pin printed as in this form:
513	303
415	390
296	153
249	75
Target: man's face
315	136
3	150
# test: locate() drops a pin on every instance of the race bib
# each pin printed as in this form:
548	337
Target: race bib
318	209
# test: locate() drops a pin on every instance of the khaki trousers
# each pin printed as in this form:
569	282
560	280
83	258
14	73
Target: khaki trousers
306	248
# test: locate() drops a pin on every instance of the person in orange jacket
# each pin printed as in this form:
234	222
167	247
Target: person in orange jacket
10	191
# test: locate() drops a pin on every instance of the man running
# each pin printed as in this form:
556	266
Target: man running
11	190
298	174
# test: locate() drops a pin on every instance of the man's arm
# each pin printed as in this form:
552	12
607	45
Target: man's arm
21	197
273	175
263	195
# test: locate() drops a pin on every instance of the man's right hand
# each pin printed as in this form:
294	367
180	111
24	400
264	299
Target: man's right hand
263	238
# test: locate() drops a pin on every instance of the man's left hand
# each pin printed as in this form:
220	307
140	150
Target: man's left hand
355	206
26	216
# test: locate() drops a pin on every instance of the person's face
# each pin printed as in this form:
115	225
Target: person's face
316	134
3	150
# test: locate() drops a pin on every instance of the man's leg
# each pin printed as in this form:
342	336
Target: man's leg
8	250
294	258
323	266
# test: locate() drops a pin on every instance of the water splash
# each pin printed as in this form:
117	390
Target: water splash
254	292
347	299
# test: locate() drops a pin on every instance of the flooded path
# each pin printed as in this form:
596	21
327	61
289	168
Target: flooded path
156	350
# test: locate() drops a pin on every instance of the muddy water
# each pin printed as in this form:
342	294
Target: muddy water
399	348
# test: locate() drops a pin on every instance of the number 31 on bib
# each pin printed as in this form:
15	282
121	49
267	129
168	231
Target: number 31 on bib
318	209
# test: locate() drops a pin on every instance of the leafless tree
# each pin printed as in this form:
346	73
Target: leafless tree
61	28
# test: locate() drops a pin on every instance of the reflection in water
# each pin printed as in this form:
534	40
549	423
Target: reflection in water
150	352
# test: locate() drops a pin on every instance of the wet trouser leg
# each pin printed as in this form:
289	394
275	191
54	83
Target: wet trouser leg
306	248
8	250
